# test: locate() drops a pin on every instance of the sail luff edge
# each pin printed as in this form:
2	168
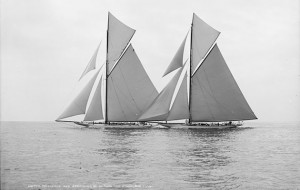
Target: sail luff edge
206	55
190	77
106	65
127	47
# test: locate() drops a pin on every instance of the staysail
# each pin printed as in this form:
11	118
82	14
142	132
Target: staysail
129	89
95	111
203	37
119	36
78	105
180	108
215	94
159	109
92	63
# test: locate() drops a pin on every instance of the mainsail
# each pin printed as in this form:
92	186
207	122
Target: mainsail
215	94
130	90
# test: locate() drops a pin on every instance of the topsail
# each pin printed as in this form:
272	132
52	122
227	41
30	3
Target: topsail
203	37
118	37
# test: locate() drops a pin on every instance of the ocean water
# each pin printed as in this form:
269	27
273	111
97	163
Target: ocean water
48	155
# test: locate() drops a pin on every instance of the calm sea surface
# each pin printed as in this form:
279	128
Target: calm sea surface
36	155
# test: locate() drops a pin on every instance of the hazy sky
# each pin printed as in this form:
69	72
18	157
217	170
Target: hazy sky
46	44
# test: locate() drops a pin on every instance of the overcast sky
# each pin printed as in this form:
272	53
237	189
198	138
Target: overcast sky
46	44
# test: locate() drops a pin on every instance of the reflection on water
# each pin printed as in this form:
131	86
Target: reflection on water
208	157
264	157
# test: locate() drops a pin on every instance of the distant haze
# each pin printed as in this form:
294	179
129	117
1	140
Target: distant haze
46	44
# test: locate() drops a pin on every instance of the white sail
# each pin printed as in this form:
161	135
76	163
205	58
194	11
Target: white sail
78	105
215	94
130	95
180	107
177	60
94	111
119	36
129	89
203	37
159	109
92	63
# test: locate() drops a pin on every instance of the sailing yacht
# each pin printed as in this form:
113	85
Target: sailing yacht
207	92
203	91
122	80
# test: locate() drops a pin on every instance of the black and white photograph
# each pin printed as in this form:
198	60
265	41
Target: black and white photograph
149	94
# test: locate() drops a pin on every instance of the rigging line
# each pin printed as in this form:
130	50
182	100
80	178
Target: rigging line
122	53
120	68
118	97
114	66
190	73
124	49
106	65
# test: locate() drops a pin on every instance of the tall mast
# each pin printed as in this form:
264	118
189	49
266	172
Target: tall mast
105	118
190	75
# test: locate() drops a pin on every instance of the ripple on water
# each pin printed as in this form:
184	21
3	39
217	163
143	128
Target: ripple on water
261	155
